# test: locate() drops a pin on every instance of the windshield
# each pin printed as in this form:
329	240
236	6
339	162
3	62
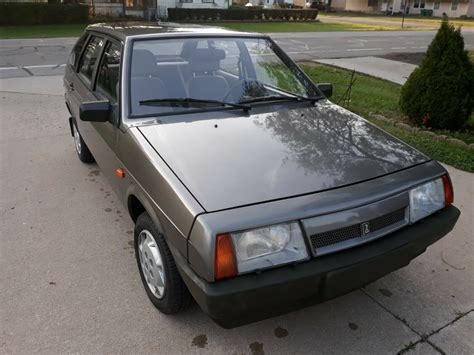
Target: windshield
217	70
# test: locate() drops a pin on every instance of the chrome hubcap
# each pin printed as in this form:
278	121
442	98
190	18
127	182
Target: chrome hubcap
77	139
151	263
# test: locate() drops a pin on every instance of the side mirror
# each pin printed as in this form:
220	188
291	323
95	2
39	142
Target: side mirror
94	111
326	89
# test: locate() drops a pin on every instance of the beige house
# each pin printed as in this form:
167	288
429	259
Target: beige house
355	5
452	8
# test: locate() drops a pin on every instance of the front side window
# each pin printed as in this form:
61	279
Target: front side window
89	58
230	70
109	71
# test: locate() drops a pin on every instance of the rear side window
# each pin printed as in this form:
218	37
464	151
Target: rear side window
76	51
108	75
89	58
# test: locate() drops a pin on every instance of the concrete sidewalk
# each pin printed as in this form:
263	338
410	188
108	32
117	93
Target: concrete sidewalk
390	70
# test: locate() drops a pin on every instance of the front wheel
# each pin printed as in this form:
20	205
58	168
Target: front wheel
82	150
158	271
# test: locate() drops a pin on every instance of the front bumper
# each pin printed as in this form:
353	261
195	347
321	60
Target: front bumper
249	298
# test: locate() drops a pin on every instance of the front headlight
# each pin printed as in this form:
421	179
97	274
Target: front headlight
426	199
257	249
266	247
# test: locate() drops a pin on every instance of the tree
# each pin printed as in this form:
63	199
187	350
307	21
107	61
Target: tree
440	93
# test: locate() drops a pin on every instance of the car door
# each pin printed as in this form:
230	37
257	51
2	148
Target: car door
70	73
98	75
103	135
82	85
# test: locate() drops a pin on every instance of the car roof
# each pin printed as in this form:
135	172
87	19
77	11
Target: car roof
124	30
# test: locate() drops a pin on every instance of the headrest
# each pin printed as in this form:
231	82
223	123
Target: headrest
205	59
143	62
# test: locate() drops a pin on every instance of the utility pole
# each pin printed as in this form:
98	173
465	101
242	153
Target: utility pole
404	11
124	5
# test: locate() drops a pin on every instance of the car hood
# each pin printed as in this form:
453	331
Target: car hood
242	160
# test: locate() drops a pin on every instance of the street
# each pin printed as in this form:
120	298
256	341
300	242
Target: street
69	279
28	57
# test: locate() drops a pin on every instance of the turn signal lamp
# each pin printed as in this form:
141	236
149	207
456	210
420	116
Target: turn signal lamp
225	263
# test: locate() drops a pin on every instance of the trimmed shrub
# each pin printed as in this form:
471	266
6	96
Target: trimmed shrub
440	93
42	13
193	15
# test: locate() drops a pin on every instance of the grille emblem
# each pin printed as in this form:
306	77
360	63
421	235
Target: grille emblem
365	227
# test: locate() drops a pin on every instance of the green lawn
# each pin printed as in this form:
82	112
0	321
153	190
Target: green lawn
471	55
74	30
379	96
42	31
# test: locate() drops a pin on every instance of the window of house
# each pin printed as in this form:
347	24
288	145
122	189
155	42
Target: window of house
208	1
419	4
109	72
134	4
186	1
89	58
436	5
454	5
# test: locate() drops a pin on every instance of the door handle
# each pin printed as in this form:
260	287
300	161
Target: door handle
71	86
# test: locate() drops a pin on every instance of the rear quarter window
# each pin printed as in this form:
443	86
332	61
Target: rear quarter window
76	51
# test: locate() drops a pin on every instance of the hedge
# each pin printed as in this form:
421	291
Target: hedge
42	13
184	14
440	92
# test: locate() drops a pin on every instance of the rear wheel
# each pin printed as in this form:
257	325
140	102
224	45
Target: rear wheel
160	277
82	151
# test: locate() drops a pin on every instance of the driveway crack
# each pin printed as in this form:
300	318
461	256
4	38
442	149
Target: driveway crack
460	315
423	337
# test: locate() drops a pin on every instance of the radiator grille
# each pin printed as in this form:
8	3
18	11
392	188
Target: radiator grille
356	230
388	219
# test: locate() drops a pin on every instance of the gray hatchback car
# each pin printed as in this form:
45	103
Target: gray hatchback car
250	191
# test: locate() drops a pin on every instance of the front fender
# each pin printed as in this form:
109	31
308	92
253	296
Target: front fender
175	239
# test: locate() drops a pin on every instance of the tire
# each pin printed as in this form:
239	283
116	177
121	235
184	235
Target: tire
174	296
82	150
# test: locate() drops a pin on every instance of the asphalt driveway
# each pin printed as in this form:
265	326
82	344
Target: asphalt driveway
69	282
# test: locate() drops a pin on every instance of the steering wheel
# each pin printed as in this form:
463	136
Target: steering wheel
237	89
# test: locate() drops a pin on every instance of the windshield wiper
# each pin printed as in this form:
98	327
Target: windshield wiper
280	98
190	102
